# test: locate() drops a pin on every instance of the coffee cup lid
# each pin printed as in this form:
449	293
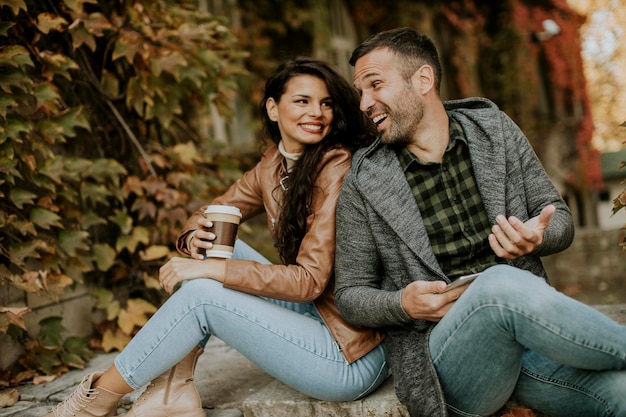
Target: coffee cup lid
223	209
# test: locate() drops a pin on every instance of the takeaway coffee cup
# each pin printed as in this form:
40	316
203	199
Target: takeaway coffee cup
225	221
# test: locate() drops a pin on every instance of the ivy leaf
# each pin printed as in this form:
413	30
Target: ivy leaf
139	235
19	197
104	256
57	64
15	56
123	221
73	240
19	251
110	84
72	118
47	361
106	302
96	23
80	37
76	267
106	169
114	341
15	5
45	218
46	93
129	43
136	314
14	316
50	332
96	193
47	21
55	284
90	219
154	252
9	398
5	27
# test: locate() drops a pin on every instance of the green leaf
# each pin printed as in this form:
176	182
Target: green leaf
123	221
107	169
96	193
104	256
19	197
89	219
110	84
14	127
73	240
47	361
77	346
50	332
46	93
6	102
5	27
15	56
19	251
45	218
139	235
71	119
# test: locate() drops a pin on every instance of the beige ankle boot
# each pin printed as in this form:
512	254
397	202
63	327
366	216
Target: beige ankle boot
173	393
86	401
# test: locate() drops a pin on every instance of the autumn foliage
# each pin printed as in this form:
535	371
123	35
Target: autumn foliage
100	156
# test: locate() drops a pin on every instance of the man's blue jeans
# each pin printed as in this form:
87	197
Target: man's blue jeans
512	335
287	340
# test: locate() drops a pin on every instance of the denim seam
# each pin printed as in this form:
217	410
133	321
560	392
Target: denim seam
563	384
550	329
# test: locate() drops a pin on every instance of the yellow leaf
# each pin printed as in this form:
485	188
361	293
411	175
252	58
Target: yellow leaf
113	310
111	341
154	252
136	314
48	21
9	398
151	282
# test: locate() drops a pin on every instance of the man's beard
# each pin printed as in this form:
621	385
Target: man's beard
404	120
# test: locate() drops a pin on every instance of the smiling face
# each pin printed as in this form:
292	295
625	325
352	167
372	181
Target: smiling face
304	113
387	97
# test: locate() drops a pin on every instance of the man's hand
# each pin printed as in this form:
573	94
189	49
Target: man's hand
511	238
425	300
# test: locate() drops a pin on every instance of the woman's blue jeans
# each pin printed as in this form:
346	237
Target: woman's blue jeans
512	335
287	340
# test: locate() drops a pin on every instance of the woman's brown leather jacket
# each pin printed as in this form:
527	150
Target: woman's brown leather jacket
312	277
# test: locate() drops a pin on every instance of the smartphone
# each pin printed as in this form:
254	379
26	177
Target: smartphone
460	281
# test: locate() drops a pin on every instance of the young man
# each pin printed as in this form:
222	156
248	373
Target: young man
450	189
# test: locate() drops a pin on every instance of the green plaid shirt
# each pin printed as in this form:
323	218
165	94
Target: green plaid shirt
451	206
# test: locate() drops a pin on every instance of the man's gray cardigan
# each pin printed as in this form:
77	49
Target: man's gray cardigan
382	245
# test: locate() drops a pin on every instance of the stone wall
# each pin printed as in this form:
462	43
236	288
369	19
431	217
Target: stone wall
592	269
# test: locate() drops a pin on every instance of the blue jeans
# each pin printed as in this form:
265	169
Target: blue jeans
512	335
287	340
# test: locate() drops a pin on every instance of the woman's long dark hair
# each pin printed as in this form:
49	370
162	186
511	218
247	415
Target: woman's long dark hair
350	129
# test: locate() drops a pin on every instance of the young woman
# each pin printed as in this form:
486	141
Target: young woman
278	316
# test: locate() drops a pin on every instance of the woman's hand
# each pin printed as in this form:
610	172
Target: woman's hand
182	269
201	240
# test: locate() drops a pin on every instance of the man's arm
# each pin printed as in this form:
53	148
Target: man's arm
358	270
550	228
